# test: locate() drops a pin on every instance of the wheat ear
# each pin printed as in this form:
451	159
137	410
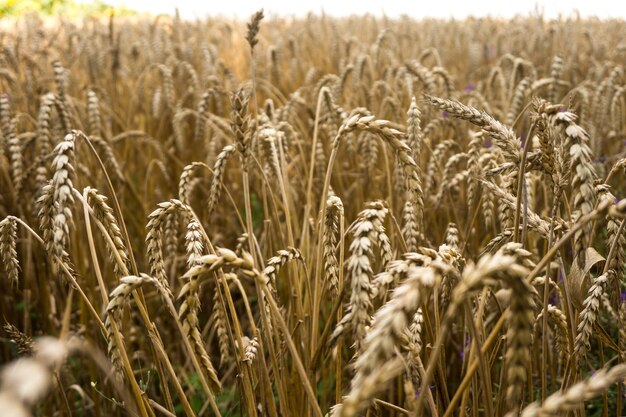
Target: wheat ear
561	402
366	234
105	214
218	174
378	362
8	238
62	186
507	266
334	215
188	311
589	314
118	298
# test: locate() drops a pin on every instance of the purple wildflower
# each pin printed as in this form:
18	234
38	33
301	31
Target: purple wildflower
430	387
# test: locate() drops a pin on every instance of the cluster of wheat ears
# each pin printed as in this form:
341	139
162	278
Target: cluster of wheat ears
312	217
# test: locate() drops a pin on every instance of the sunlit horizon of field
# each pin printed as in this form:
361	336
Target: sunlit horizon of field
457	9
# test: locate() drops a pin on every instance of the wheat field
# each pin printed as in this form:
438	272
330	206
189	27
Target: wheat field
312	217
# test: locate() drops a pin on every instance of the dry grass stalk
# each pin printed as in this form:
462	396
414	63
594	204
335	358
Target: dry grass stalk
413	346
267	138
555	73
614	237
435	164
410	229
110	161
61	102
44	134
154	97
622	330
224	258
517	101
46	213
535	222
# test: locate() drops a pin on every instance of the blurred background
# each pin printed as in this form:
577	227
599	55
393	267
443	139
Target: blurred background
392	8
